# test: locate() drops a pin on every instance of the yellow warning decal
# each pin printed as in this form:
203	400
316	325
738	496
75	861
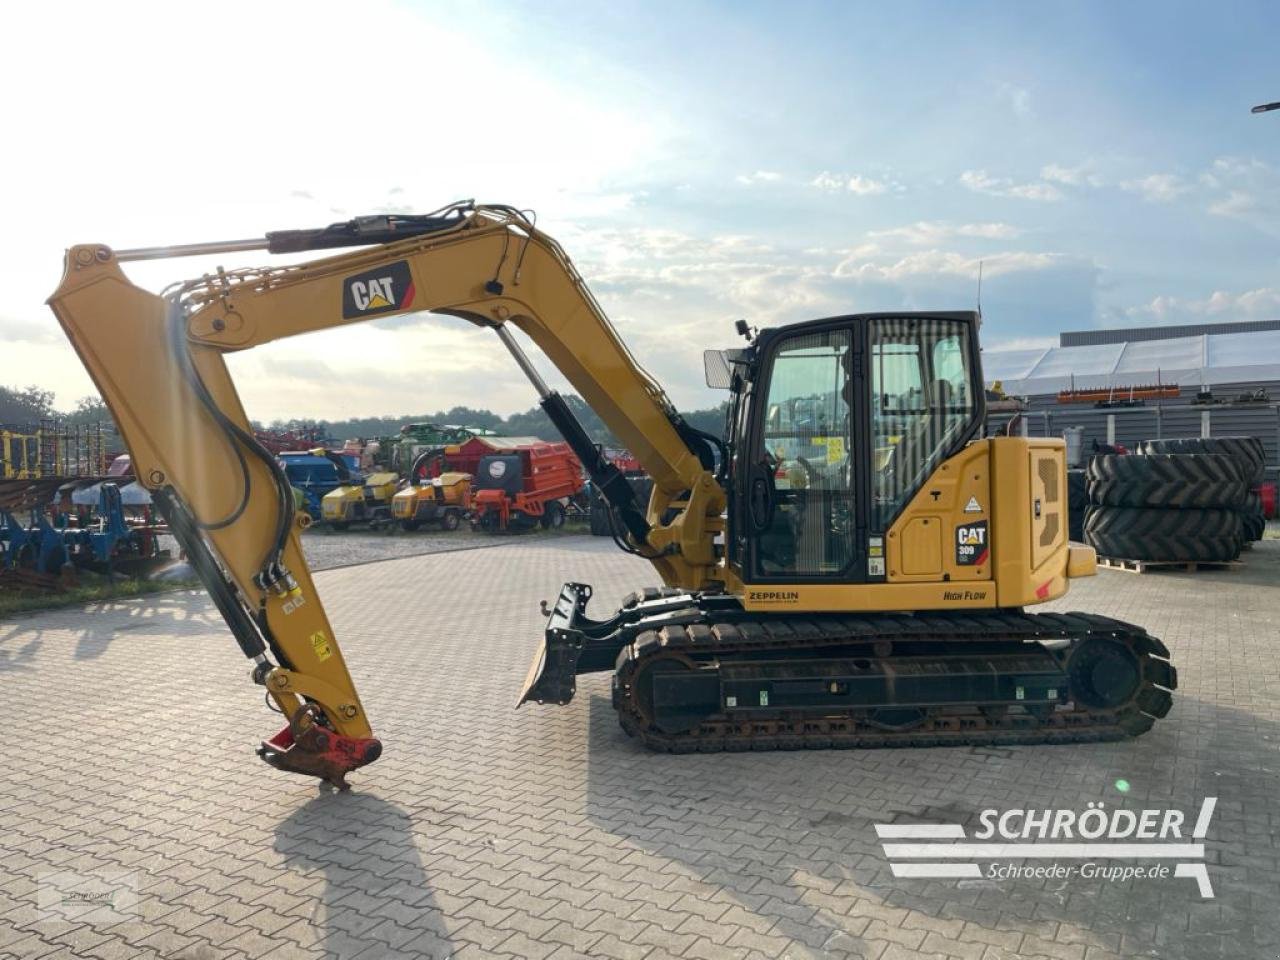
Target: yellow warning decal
320	644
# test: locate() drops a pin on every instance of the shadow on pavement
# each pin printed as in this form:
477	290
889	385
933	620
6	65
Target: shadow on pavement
376	891
790	837
98	625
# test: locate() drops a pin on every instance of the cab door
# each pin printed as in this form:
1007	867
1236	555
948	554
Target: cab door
801	509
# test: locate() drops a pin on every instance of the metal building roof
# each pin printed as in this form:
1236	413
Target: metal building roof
1205	360
1080	338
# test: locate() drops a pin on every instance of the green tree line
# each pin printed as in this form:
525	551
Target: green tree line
24	407
529	423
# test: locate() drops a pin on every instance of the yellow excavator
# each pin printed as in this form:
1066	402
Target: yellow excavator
848	567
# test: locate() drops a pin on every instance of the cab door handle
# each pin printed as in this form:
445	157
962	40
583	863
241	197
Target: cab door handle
760	498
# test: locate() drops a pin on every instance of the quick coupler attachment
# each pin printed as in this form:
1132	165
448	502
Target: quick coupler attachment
310	747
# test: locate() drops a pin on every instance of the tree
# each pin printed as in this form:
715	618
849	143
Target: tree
25	407
89	410
710	421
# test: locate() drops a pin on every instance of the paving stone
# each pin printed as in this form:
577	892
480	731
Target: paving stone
484	832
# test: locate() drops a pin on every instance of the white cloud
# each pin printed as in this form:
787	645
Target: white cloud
852	182
865	186
760	176
979	181
1019	100
1260	304
329	157
947	262
31	331
1157	188
1082	175
925	232
1236	204
1244	189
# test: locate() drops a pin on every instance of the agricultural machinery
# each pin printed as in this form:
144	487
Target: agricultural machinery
363	500
315	473
443	499
523	485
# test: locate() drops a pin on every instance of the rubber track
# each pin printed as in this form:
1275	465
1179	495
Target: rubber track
959	727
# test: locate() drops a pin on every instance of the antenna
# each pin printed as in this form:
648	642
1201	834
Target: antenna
979	288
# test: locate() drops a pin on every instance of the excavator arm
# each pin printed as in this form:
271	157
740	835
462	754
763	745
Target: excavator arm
158	362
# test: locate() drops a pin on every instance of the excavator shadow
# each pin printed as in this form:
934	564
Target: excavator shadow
376	892
786	842
165	616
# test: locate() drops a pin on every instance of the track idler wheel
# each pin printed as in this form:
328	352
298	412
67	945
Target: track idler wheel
1104	674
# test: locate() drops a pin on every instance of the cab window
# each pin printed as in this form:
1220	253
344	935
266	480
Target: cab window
805	446
921	406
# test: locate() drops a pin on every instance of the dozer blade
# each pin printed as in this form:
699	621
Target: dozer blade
553	673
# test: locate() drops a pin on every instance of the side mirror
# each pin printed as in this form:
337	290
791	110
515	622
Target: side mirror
715	366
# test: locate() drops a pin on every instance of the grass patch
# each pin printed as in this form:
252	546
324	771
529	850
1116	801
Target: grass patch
28	601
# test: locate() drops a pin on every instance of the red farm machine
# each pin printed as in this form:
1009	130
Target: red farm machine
516	482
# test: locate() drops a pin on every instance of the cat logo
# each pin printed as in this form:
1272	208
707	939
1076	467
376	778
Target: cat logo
377	291
971	544
372	295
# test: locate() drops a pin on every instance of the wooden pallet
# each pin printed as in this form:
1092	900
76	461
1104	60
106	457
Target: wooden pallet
1146	566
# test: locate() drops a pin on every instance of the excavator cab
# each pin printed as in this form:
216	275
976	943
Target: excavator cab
837	424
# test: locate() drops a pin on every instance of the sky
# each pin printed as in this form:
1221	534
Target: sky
701	163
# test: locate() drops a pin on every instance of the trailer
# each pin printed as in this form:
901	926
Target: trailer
524	484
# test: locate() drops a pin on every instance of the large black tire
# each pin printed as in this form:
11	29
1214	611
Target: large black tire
599	516
552	515
1136	534
1253	522
1252	526
1248	450
1077	502
601	526
1167	480
449	520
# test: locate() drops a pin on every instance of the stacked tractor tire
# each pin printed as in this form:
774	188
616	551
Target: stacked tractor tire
601	524
1175	500
1077	503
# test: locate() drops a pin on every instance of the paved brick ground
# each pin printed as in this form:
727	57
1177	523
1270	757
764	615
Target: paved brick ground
326	550
545	832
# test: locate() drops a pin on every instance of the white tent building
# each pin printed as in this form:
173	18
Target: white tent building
1207	360
1226	359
